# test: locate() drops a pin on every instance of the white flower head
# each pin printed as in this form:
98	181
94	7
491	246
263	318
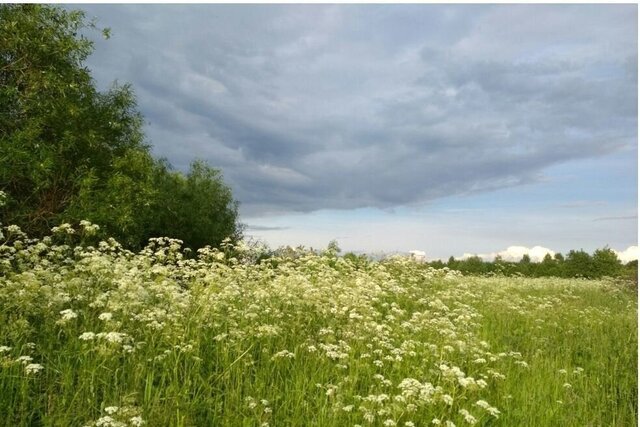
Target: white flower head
33	368
24	359
137	421
105	316
68	314
87	336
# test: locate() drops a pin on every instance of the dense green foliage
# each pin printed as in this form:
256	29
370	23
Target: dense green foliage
101	336
69	152
603	263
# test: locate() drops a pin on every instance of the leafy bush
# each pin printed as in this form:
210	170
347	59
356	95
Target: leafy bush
70	152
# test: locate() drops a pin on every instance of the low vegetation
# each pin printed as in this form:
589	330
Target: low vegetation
96	335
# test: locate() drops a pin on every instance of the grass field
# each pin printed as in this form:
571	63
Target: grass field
105	337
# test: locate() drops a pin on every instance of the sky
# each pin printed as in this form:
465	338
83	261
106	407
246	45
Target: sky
451	129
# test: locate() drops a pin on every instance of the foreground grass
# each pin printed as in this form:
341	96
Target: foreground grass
105	337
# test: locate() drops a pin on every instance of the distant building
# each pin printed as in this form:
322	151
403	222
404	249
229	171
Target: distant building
419	256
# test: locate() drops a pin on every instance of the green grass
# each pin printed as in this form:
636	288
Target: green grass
378	344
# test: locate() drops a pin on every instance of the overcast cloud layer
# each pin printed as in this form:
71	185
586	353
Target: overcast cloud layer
323	106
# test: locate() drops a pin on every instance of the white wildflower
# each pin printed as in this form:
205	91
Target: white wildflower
24	359
87	336
105	316
33	368
137	421
105	421
447	399
283	354
470	419
68	314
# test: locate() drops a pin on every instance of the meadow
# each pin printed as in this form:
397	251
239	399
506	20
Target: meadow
96	335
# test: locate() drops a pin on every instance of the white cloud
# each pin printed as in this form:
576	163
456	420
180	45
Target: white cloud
628	255
537	253
515	253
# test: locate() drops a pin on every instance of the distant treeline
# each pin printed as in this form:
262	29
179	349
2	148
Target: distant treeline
577	263
69	152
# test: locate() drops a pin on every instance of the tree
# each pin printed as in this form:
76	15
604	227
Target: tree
69	152
578	263
436	263
57	133
197	208
472	265
606	263
630	272
548	266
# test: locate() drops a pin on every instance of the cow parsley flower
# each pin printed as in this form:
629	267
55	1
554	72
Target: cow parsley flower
137	421
67	315
105	316
33	368
470	419
283	354
24	359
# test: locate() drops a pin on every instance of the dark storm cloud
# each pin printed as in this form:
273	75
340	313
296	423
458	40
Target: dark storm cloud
312	107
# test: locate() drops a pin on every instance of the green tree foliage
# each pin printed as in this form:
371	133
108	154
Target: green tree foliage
603	263
69	152
197	208
630	272
578	264
548	266
56	130
472	265
606	262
